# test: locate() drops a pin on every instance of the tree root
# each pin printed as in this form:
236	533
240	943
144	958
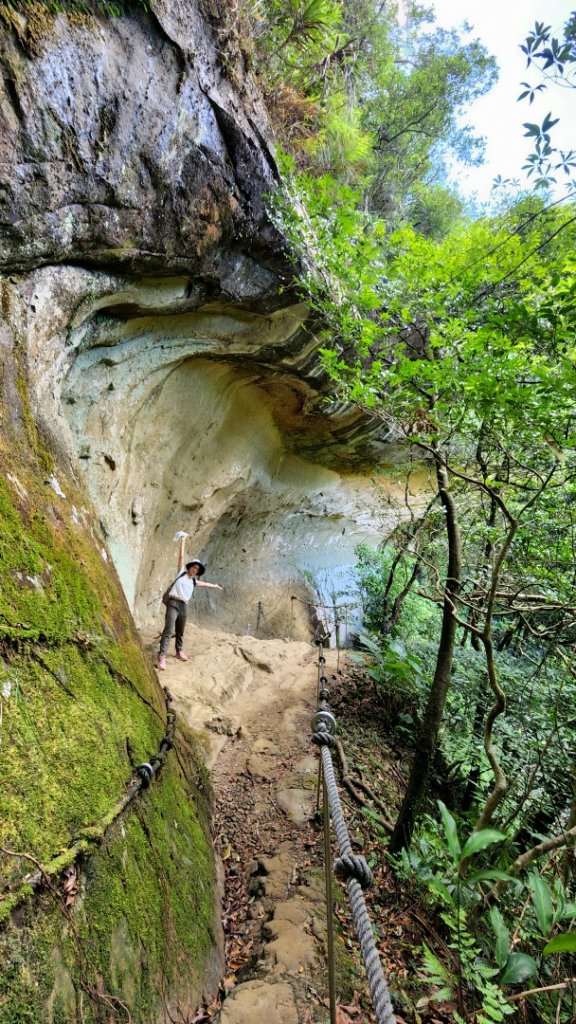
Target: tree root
352	785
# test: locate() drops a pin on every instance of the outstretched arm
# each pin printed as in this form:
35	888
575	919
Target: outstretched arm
213	586
181	553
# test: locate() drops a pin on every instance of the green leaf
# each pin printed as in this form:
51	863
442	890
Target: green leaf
433	968
502	949
480	840
568	911
541	901
493	874
518	967
398	648
440	996
565	943
549	122
451	832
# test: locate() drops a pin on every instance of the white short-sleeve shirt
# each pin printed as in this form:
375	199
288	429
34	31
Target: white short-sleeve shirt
183	588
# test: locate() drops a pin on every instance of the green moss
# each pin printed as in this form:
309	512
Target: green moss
69	753
82	707
13	900
154	882
45	457
23	987
52	579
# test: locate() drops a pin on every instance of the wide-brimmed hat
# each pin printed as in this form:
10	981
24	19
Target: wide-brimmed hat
201	566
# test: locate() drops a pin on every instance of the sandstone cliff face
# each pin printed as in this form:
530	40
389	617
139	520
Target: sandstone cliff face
157	374
151	295
123	143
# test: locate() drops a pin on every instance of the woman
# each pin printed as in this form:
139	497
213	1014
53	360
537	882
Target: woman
179	594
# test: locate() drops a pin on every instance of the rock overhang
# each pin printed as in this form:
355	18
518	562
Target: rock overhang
210	419
167	355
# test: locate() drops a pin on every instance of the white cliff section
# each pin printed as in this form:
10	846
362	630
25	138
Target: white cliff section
192	419
142	283
193	445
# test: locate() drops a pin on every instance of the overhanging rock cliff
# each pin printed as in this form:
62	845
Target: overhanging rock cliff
165	352
157	373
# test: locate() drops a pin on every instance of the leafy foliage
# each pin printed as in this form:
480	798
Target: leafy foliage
487	960
458	335
371	95
464	346
555	58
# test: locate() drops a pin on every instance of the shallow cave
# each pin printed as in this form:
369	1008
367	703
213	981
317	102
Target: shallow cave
214	420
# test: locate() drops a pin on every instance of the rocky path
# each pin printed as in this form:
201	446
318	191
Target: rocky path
253	700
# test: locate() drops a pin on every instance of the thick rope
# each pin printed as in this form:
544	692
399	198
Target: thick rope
354	866
348	866
92	836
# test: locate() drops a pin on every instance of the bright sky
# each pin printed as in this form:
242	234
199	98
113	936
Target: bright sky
502	25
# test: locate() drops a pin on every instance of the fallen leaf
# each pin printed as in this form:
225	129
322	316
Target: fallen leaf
341	1016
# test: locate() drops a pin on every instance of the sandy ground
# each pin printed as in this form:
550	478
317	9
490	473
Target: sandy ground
252	701
238	679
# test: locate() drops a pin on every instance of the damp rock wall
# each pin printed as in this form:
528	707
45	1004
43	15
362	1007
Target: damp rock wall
166	353
157	373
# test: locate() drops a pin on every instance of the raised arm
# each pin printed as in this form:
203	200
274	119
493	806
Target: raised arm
181	553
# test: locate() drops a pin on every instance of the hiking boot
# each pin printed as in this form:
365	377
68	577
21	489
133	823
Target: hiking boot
161	663
181	656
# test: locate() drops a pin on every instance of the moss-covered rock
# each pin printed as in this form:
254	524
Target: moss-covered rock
81	708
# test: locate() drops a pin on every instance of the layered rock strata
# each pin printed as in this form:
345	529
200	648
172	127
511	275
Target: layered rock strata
151	296
157	374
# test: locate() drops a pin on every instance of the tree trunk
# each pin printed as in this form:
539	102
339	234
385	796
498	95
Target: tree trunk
388	617
426	744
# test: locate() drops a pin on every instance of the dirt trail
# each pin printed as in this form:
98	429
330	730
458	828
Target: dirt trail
253	701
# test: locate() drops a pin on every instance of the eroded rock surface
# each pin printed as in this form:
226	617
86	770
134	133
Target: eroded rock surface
207	420
156	364
150	296
123	142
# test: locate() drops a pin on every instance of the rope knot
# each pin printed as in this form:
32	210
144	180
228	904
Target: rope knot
146	772
351	866
322	738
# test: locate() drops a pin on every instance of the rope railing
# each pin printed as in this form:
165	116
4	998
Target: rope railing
339	613
91	836
349	868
